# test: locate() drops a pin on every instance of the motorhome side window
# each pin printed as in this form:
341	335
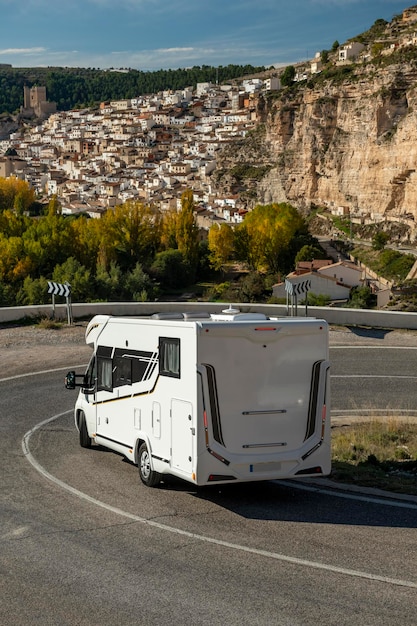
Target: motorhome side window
104	369
91	374
122	368
169	357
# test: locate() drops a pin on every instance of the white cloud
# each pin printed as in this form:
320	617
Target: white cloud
38	50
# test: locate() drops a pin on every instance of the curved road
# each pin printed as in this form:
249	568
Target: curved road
83	542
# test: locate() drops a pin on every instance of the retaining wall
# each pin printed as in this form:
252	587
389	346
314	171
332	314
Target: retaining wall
337	316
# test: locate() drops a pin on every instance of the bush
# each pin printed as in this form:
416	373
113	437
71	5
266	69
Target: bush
361	298
171	270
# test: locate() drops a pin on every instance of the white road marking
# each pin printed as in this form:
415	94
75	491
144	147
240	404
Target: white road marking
204	538
56	369
373	412
351	496
372	376
361	347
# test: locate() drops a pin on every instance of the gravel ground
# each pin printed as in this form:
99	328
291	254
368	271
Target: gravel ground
26	349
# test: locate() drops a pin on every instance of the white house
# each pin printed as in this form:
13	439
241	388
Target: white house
334	280
272	84
350	51
344	272
320	285
316	64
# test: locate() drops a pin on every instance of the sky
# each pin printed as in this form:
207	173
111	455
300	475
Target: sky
163	34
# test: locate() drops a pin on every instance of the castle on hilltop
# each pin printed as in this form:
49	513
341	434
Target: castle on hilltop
35	103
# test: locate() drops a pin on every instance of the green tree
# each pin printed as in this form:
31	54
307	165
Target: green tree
109	282
379	240
79	277
33	291
361	298
7	295
309	253
377	48
252	288
287	76
138	285
171	270
318	299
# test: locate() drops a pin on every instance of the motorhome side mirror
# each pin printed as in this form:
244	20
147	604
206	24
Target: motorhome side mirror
70	380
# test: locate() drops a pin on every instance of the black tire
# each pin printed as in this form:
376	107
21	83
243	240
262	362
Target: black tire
148	476
85	439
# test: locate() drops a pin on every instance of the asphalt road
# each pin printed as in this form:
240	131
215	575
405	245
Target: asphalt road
83	542
374	382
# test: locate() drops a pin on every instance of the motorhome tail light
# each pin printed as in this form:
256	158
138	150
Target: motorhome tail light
216	477
205	428
265	328
218	457
323	420
310	470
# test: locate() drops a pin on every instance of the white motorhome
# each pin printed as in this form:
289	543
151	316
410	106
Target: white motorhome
220	398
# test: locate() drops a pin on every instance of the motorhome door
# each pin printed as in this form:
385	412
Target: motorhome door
183	435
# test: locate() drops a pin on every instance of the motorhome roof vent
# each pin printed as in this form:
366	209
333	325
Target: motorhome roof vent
232	314
197	315
168	316
189	315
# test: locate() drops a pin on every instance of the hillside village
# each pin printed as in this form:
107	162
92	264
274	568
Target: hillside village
152	148
148	149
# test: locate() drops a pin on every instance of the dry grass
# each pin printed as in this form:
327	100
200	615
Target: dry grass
376	453
49	323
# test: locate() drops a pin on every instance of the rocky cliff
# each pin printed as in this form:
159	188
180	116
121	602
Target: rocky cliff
353	144
346	140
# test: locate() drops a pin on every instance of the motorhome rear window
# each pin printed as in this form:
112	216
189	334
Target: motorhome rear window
169	357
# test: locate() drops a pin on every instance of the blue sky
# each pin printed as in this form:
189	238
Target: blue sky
162	34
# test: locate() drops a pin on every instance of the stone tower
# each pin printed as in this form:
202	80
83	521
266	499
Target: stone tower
35	103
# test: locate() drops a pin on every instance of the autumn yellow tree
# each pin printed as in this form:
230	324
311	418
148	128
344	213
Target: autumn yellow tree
130	233
221	240
187	230
169	230
267	233
15	194
86	237
54	206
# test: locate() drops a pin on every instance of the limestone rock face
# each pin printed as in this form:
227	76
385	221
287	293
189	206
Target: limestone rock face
353	145
350	144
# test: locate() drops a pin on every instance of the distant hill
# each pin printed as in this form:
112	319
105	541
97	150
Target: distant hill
77	87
